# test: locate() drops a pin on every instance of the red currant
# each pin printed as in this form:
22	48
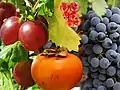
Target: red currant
66	14
74	6
73	16
64	7
77	22
70	23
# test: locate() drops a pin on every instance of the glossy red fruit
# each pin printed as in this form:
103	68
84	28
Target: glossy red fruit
33	35
73	16
74	6
66	14
70	23
7	10
43	20
64	7
22	73
77	22
9	30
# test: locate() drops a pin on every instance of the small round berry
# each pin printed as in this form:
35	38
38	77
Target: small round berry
74	6
64	7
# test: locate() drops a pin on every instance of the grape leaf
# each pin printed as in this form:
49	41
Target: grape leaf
60	33
99	7
11	54
111	2
83	6
114	3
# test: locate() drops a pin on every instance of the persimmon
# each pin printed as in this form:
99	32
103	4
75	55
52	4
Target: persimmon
55	72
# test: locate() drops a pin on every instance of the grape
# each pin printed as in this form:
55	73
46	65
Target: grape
111	55
102	77
118	57
118	29
102	71
101	37
116	86
101	88
114	36
114	46
101	27
95	21
118	49
104	63
118	72
87	84
95	62
86	25
85	70
94	75
115	18
105	20
96	83
88	49
97	49
93	89
90	57
115	10
111	71
103	60
92	69
92	35
118	64
112	27
107	43
108	13
84	39
91	15
84	61
109	82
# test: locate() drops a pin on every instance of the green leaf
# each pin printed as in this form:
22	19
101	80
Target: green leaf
114	3
5	82
111	2
99	7
20	4
13	53
83	6
60	33
50	4
34	87
46	7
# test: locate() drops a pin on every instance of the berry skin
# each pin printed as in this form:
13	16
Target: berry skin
77	22
74	6
70	23
64	7
73	16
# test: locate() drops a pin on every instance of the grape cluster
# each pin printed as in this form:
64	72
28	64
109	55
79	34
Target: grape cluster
101	42
70	13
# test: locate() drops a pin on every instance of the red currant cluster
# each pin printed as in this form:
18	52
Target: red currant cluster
70	13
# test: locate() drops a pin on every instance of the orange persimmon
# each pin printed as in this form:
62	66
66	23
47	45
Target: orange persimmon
57	73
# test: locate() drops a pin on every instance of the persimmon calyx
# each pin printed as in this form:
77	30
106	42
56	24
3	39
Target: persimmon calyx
59	51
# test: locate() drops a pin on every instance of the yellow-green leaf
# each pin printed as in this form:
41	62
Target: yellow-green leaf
99	7
60	33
